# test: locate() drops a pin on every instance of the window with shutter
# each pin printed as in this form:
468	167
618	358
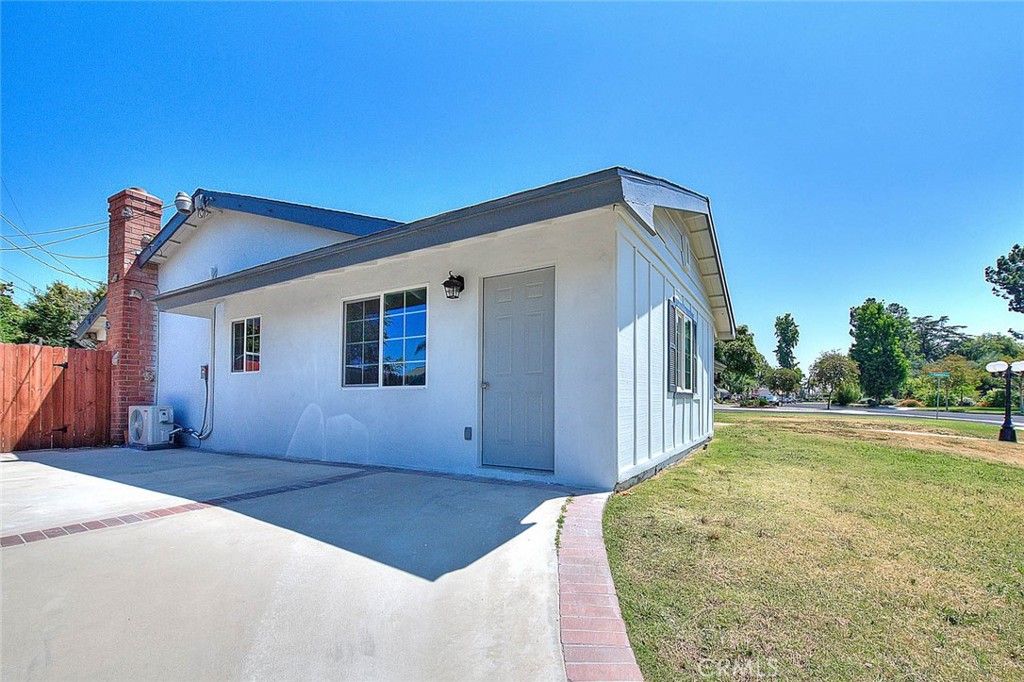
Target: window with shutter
681	350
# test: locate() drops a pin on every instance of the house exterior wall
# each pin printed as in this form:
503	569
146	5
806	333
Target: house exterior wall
653	424
231	241
295	406
184	345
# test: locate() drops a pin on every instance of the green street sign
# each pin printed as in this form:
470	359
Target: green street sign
938	374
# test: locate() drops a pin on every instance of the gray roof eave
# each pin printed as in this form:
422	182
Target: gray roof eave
643	192
721	274
639	192
314	216
564	198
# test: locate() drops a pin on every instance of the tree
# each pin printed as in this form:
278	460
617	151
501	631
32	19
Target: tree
878	342
936	338
963	377
1007	278
743	362
52	315
898	311
985	348
11	315
788	334
784	381
831	370
908	340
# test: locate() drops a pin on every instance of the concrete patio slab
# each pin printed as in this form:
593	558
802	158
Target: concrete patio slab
381	575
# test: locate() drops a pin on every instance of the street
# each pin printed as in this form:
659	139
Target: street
914	413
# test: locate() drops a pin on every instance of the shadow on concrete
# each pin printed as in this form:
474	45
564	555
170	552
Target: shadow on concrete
424	524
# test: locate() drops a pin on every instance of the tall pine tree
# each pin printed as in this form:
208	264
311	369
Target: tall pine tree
788	335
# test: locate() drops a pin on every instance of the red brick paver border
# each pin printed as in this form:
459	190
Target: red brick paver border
594	641
97	524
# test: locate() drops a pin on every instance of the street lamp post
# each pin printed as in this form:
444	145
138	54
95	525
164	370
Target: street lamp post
1008	371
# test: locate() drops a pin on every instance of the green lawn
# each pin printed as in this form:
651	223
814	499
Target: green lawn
816	550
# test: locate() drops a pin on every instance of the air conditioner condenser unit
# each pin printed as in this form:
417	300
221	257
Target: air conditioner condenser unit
150	427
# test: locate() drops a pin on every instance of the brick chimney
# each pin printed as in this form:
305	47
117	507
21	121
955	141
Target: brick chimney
135	218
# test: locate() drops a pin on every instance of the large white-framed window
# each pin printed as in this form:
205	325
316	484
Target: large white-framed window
245	345
681	350
385	340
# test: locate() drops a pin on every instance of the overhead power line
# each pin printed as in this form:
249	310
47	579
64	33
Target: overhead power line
104	223
68	255
55	241
14	274
67	271
66	268
11	196
60	229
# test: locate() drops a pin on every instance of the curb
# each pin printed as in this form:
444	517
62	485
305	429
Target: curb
595	646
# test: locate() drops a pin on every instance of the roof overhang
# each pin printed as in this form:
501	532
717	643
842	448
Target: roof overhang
643	194
204	200
93	322
639	193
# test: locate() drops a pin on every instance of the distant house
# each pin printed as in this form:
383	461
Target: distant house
578	351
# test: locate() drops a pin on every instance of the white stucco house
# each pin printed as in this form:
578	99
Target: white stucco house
579	352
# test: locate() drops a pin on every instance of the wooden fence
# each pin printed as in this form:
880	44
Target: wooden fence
53	397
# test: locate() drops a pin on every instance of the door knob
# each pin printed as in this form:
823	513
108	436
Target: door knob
485	385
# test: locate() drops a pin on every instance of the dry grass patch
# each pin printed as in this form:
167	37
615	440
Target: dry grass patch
816	551
937	436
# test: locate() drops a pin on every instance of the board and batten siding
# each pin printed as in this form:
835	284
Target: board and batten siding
653	424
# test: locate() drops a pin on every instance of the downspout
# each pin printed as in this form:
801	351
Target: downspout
206	428
212	371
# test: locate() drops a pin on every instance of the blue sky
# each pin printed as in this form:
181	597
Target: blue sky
849	150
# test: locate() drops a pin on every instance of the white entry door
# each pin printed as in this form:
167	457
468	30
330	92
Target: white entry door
519	370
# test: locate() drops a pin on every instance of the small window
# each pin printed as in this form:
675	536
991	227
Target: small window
386	340
245	345
681	350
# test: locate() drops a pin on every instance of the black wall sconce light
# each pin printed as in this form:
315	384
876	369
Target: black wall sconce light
454	285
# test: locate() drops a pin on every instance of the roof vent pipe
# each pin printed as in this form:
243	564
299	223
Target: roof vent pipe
183	203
